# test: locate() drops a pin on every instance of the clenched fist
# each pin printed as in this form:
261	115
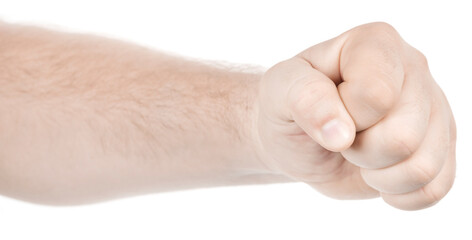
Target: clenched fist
359	116
86	119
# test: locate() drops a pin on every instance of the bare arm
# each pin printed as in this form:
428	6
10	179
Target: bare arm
84	118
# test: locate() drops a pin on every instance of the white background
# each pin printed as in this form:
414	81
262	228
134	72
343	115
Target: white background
261	33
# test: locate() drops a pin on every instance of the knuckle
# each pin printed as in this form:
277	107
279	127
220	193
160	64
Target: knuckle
402	144
368	176
421	174
381	25
311	94
277	69
382	30
379	96
284	70
420	59
282	64
383	37
433	194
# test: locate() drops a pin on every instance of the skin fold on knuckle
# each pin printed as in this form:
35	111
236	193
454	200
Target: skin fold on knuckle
420	174
433	195
380	96
400	144
306	97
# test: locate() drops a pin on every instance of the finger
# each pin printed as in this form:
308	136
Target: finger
372	72
366	63
313	102
348	184
434	191
429	194
422	167
298	156
401	131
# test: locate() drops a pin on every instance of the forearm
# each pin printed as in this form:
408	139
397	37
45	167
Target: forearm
85	118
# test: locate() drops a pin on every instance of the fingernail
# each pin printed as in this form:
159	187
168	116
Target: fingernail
335	133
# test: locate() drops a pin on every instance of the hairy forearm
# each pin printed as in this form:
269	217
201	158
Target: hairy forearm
84	118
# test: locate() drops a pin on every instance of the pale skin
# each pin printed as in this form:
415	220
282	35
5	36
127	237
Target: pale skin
86	119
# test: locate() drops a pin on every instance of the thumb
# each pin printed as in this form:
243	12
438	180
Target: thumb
314	104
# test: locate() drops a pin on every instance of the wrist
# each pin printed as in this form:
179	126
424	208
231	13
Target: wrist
249	129
248	135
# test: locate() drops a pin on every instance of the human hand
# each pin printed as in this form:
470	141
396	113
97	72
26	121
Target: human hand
359	116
